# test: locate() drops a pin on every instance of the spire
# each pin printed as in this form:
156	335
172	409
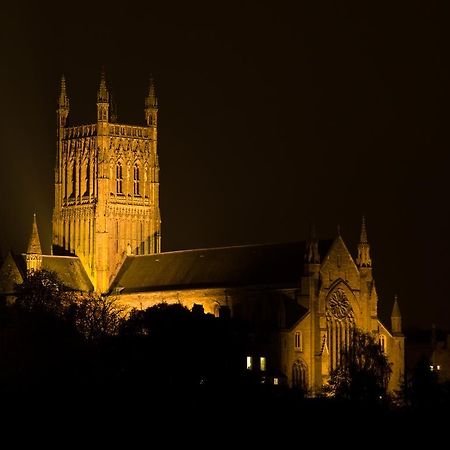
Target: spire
363	259
312	248
151	101
63	104
396	318
151	105
102	95
63	99
395	308
102	102
363	238
34	244
33	257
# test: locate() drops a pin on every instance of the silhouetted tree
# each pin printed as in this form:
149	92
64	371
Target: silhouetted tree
185	347
364	371
42	348
97	316
42	291
423	388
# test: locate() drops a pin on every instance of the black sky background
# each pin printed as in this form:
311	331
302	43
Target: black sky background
272	116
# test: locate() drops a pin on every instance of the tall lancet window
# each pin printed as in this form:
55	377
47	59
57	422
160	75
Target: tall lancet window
136	180
74	179
119	178
340	326
87	177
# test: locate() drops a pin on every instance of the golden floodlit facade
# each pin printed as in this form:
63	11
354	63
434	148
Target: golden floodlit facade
301	299
106	188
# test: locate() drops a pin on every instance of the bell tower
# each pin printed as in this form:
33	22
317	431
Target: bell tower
106	187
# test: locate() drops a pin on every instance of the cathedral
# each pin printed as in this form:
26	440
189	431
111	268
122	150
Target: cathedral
302	299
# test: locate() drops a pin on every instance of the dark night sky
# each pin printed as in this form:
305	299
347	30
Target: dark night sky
272	116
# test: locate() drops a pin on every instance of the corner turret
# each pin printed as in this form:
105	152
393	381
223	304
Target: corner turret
363	259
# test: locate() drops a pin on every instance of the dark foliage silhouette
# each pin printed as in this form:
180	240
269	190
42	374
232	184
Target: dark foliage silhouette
364	371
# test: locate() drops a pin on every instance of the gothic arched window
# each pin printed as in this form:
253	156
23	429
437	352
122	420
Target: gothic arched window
88	176
299	375
298	341
74	179
119	178
136	179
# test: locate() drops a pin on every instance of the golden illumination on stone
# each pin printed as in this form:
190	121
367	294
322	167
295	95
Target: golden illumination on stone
106	188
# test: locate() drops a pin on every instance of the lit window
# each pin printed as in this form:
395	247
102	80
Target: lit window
262	363
438	367
432	368
275	381
119	178
136	180
298	341
249	363
383	342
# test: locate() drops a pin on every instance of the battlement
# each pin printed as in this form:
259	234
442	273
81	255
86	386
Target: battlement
80	131
113	129
130	131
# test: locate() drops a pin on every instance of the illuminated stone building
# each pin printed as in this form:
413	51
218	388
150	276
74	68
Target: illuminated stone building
106	188
302	299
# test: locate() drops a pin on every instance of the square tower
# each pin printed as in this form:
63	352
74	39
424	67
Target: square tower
106	188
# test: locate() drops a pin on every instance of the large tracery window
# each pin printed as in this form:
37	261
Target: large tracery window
136	179
340	326
119	178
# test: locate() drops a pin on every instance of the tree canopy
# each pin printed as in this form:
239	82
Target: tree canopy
364	371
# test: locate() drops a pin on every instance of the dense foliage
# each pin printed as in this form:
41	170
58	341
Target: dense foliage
363	373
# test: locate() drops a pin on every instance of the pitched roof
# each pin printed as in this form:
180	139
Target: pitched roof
69	270
248	265
11	273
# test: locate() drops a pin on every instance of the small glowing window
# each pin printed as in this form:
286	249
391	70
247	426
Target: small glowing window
298	341
262	363
432	368
275	381
249	362
438	367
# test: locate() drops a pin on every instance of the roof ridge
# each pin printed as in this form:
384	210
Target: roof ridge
191	250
